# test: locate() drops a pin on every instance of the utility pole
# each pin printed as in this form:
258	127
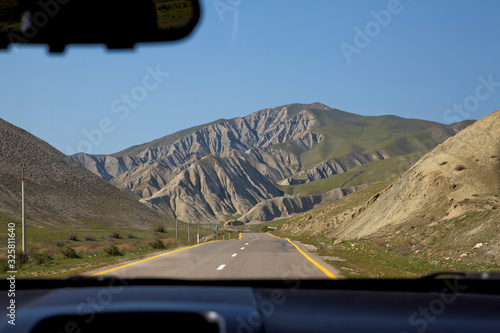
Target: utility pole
189	239
176	228
198	236
22	178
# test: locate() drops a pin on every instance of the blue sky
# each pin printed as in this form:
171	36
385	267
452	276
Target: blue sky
430	59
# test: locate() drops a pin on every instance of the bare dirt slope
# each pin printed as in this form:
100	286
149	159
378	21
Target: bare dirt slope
445	208
59	190
459	176
213	188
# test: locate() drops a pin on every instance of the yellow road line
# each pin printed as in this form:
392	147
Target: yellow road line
323	269
157	256
240	236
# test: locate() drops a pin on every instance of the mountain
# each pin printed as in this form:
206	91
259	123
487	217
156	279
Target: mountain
459	176
59	191
335	166
445	205
213	188
292	145
280	207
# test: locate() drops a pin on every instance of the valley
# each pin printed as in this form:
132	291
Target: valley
296	149
373	196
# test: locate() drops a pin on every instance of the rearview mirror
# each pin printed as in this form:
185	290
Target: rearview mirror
119	24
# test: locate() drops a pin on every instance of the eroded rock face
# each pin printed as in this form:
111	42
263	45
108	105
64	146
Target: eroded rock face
275	145
249	137
260	129
213	188
170	175
280	207
108	167
335	166
274	163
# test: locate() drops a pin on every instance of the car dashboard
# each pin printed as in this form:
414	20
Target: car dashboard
143	305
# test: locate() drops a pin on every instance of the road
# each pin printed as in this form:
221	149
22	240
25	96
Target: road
253	256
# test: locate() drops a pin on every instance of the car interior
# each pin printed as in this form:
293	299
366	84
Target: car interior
439	302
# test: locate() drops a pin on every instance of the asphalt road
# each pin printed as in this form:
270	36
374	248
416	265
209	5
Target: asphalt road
254	256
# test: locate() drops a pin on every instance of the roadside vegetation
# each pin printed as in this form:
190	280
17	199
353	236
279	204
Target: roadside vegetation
464	243
374	259
59	253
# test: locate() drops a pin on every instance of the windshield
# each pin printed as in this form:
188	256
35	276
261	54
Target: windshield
283	139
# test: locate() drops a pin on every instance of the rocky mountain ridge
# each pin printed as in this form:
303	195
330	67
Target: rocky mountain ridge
288	145
213	188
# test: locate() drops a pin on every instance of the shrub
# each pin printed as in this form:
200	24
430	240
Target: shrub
131	236
160	228
157	244
4	266
22	258
112	250
73	237
115	234
41	258
460	167
90	238
69	252
59	243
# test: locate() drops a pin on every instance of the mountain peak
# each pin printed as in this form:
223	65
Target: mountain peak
293	145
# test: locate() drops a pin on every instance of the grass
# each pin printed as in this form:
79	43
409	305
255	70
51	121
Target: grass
363	259
405	251
372	172
346	133
372	258
232	217
54	252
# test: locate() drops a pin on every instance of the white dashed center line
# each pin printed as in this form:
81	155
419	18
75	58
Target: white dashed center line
234	255
246	243
221	267
242	248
